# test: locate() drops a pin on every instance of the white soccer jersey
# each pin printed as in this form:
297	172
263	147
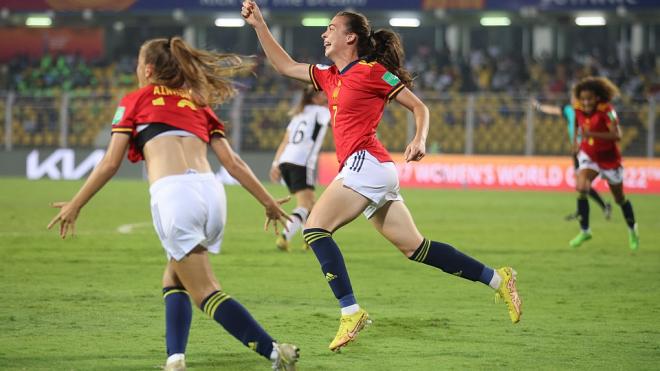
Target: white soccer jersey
306	132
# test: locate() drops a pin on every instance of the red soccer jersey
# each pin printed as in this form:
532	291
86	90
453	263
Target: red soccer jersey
356	99
160	104
603	152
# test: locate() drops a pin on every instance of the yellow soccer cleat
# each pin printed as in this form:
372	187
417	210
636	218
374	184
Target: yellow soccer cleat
509	293
287	356
349	327
282	243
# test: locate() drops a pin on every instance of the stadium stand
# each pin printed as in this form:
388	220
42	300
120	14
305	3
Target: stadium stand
501	85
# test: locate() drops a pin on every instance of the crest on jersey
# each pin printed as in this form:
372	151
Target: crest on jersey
119	114
322	66
391	78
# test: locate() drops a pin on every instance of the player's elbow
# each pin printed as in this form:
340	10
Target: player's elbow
233	164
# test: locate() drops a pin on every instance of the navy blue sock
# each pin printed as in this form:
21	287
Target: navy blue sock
583	212
332	264
231	315
452	261
628	213
178	315
596	197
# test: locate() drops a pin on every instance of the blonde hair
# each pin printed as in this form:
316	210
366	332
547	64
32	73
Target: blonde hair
204	73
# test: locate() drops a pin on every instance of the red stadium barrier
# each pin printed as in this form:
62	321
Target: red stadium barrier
504	172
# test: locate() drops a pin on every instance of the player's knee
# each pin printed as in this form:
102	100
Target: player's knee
619	199
582	189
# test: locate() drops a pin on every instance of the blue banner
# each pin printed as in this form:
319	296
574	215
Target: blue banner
558	5
289	5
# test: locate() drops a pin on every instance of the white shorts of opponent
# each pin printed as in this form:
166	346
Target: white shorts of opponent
375	180
613	176
188	210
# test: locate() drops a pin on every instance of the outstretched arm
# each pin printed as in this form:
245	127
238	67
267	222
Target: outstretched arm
277	56
548	109
101	174
416	150
237	168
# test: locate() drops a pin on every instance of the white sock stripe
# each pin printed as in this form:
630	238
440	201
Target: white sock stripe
303	212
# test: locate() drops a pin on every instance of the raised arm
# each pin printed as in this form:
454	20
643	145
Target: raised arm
278	57
237	168
101	174
416	150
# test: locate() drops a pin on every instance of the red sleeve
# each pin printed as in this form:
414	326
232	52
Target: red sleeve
384	82
216	127
319	74
124	119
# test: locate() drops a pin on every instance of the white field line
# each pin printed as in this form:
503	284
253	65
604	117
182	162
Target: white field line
128	228
122	229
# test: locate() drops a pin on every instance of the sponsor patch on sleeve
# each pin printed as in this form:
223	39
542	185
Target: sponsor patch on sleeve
391	78
119	114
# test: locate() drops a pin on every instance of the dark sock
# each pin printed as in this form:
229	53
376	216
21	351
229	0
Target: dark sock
332	264
583	212
178	315
452	261
628	214
231	315
596	197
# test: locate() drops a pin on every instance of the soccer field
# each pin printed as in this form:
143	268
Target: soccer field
94	302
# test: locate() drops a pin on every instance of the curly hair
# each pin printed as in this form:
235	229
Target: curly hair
602	87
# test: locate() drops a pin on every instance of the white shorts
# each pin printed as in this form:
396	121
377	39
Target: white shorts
375	180
188	210
613	176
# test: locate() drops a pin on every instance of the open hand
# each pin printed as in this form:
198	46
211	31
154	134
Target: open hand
67	218
275	214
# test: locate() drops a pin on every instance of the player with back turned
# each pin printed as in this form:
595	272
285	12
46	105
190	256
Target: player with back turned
367	74
167	123
296	158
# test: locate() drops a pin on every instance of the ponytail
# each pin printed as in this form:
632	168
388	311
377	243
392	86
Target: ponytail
388	51
204	74
383	46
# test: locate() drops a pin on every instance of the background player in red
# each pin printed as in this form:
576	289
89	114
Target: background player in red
296	158
599	153
168	123
567	111
367	73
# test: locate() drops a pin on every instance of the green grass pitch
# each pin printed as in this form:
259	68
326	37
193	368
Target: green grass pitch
94	302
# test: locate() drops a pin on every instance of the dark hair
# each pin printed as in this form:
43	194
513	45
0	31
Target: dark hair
308	95
602	87
178	65
383	46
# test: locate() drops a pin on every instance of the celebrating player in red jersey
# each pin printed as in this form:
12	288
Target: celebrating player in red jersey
599	152
567	111
368	73
168	123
